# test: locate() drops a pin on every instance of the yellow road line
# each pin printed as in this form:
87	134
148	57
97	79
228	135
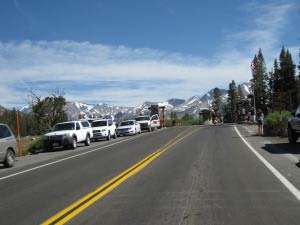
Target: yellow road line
74	209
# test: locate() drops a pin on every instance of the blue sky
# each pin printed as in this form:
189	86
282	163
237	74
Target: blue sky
126	52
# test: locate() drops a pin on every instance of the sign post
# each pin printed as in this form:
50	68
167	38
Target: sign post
18	126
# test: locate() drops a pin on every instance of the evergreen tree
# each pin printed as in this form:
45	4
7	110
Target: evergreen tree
260	80
217	101
232	102
277	83
287	78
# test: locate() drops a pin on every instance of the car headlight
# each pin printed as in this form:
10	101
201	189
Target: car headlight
66	135
103	129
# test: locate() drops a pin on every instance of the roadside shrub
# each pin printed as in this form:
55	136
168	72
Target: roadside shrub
36	145
273	126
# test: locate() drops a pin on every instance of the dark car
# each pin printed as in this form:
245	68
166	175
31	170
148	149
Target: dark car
8	146
294	126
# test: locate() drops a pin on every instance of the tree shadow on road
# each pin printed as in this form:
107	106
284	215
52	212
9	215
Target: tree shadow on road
283	148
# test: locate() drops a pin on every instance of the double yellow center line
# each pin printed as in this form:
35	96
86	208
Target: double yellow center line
74	209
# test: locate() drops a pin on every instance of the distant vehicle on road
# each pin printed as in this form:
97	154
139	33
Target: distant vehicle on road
8	146
145	122
104	128
294	126
155	122
68	134
129	127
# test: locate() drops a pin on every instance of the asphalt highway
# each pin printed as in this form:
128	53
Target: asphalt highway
188	175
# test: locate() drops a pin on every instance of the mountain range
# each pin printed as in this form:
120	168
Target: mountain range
190	106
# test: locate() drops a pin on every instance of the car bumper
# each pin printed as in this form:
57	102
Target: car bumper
100	135
57	141
126	132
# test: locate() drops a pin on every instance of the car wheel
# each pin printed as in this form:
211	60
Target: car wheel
292	136
140	131
87	140
149	129
115	135
108	136
9	158
74	143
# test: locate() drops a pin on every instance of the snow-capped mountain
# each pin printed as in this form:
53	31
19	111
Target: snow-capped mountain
191	106
76	109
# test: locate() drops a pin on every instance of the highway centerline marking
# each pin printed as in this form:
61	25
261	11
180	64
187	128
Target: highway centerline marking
67	158
77	207
276	173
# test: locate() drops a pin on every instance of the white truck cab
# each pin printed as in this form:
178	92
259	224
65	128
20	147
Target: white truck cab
68	134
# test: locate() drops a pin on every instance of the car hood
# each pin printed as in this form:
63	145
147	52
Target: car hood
61	132
126	127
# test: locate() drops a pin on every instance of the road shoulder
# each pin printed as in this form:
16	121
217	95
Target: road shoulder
277	151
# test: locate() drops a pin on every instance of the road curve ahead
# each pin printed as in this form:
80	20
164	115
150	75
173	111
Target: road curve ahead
189	175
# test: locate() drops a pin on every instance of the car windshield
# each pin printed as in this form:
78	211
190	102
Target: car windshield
64	126
140	118
99	123
127	123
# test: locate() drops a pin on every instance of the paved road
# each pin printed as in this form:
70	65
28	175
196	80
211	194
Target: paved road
206	175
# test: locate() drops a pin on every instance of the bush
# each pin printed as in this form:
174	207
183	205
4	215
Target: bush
36	145
273	126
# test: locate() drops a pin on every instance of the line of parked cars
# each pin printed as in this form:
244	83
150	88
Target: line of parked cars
69	134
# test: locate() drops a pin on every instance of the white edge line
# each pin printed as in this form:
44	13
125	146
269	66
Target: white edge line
64	159
280	177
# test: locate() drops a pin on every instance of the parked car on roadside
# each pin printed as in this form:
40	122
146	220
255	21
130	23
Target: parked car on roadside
129	127
68	134
155	122
104	128
294	126
145	122
8	146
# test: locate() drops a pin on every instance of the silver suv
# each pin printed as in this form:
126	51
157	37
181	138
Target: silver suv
8	146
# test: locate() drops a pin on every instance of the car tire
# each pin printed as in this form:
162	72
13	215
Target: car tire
108	136
140	131
74	143
292	136
115	135
149	129
10	158
87	140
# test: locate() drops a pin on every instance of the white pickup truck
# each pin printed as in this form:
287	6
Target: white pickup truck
148	123
68	134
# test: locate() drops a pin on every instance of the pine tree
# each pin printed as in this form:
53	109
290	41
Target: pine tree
260	80
232	102
277	83
287	73
217	101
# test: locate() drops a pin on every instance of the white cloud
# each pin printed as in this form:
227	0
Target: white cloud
63	62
